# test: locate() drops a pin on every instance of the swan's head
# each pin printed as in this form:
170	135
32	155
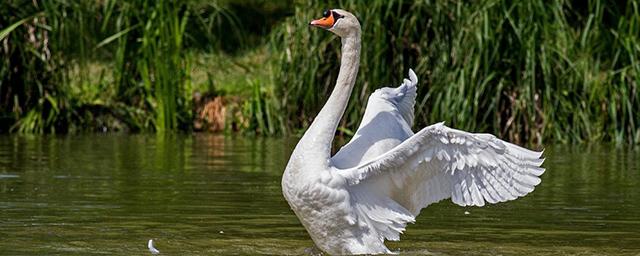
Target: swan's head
340	22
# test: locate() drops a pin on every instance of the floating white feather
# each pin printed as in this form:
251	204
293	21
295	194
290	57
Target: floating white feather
152	249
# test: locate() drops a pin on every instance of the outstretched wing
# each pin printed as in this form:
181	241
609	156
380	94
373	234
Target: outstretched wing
470	168
386	123
438	163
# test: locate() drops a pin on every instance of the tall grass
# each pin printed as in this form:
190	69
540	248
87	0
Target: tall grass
162	65
29	70
141	52
528	71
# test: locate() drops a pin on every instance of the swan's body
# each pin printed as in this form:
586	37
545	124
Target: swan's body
378	182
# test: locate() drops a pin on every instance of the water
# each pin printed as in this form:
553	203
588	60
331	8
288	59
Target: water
215	195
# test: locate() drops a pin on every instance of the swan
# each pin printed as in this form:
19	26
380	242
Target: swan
350	203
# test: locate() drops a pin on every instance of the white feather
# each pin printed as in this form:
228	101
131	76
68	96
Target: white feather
152	249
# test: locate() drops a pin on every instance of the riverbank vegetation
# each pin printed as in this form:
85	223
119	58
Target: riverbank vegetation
528	71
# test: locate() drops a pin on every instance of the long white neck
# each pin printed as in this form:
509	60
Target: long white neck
317	140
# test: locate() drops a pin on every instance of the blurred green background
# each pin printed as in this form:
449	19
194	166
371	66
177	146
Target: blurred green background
527	71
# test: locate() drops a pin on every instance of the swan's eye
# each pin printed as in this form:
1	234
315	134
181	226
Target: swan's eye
326	13
336	15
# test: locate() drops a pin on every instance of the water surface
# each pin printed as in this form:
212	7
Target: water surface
216	195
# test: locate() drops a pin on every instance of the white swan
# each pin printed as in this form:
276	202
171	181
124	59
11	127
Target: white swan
378	182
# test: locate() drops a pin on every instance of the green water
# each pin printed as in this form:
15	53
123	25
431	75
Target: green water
214	195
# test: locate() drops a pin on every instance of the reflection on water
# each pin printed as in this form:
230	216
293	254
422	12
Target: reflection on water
215	195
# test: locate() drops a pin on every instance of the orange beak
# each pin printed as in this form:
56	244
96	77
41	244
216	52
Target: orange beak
325	23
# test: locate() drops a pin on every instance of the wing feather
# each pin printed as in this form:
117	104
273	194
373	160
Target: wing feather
481	168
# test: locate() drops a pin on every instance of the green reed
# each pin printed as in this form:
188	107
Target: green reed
137	49
29	69
528	71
